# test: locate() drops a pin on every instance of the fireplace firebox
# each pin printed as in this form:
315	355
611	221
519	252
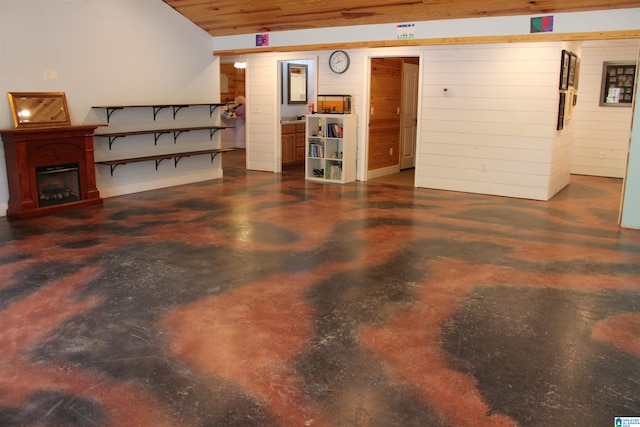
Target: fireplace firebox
58	184
49	169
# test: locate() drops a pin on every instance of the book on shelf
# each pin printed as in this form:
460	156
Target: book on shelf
316	150
334	130
334	171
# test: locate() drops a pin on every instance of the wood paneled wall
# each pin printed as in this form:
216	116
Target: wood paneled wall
222	18
236	80
384	122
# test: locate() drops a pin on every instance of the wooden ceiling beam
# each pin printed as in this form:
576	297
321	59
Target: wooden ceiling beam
539	37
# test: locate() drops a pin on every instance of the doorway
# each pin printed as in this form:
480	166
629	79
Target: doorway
393	119
294	104
233	86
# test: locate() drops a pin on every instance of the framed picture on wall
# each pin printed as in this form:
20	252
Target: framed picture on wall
573	69
568	109
561	105
576	80
618	81
564	69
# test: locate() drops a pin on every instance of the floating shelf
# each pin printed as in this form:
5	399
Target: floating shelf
110	109
158	158
157	133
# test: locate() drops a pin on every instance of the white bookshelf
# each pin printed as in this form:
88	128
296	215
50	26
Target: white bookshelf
331	148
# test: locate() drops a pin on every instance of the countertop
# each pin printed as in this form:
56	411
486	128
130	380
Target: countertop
292	121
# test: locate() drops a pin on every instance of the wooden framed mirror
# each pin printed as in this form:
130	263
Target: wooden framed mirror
297	74
39	109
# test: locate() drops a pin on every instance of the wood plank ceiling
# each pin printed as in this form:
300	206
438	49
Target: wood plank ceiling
232	17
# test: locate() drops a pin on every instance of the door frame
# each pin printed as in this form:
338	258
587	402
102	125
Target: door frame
363	160
313	83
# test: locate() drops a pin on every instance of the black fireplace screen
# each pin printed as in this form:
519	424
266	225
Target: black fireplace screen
58	184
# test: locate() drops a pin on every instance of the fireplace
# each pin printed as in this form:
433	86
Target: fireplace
58	184
50	169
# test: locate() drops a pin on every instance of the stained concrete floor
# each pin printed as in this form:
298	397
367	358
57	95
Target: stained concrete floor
260	299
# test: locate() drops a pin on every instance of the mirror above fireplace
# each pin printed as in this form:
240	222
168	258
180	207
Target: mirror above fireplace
39	109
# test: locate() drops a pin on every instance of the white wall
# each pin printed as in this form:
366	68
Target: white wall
509	154
113	52
631	200
262	112
594	21
293	110
601	133
493	131
560	167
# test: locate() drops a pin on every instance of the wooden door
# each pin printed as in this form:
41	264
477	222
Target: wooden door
409	115
384	119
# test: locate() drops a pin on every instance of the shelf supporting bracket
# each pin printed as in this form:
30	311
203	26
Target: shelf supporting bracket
177	108
111	139
158	161
212	132
156	137
213	156
113	167
157	109
212	108
110	111
176	134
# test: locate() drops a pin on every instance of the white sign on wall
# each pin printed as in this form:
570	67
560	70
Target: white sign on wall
405	31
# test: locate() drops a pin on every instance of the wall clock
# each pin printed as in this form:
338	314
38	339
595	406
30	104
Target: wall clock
339	61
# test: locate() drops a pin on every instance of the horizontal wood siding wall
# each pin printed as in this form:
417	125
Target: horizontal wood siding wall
601	133
560	166
262	101
492	131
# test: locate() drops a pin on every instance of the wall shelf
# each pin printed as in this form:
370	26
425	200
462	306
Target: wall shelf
158	158
110	109
157	133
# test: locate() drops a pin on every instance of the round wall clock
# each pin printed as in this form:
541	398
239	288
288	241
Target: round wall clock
339	61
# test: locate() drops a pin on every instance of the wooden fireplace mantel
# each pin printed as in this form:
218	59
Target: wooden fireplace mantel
26	149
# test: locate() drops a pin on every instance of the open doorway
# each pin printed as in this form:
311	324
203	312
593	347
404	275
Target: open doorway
233	89
297	85
393	120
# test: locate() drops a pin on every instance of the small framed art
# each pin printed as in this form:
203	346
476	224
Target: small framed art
618	81
564	69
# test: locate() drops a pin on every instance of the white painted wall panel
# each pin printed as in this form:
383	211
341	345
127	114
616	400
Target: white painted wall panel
491	188
490	105
497	121
485	128
599	20
261	94
492	140
469	152
601	138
